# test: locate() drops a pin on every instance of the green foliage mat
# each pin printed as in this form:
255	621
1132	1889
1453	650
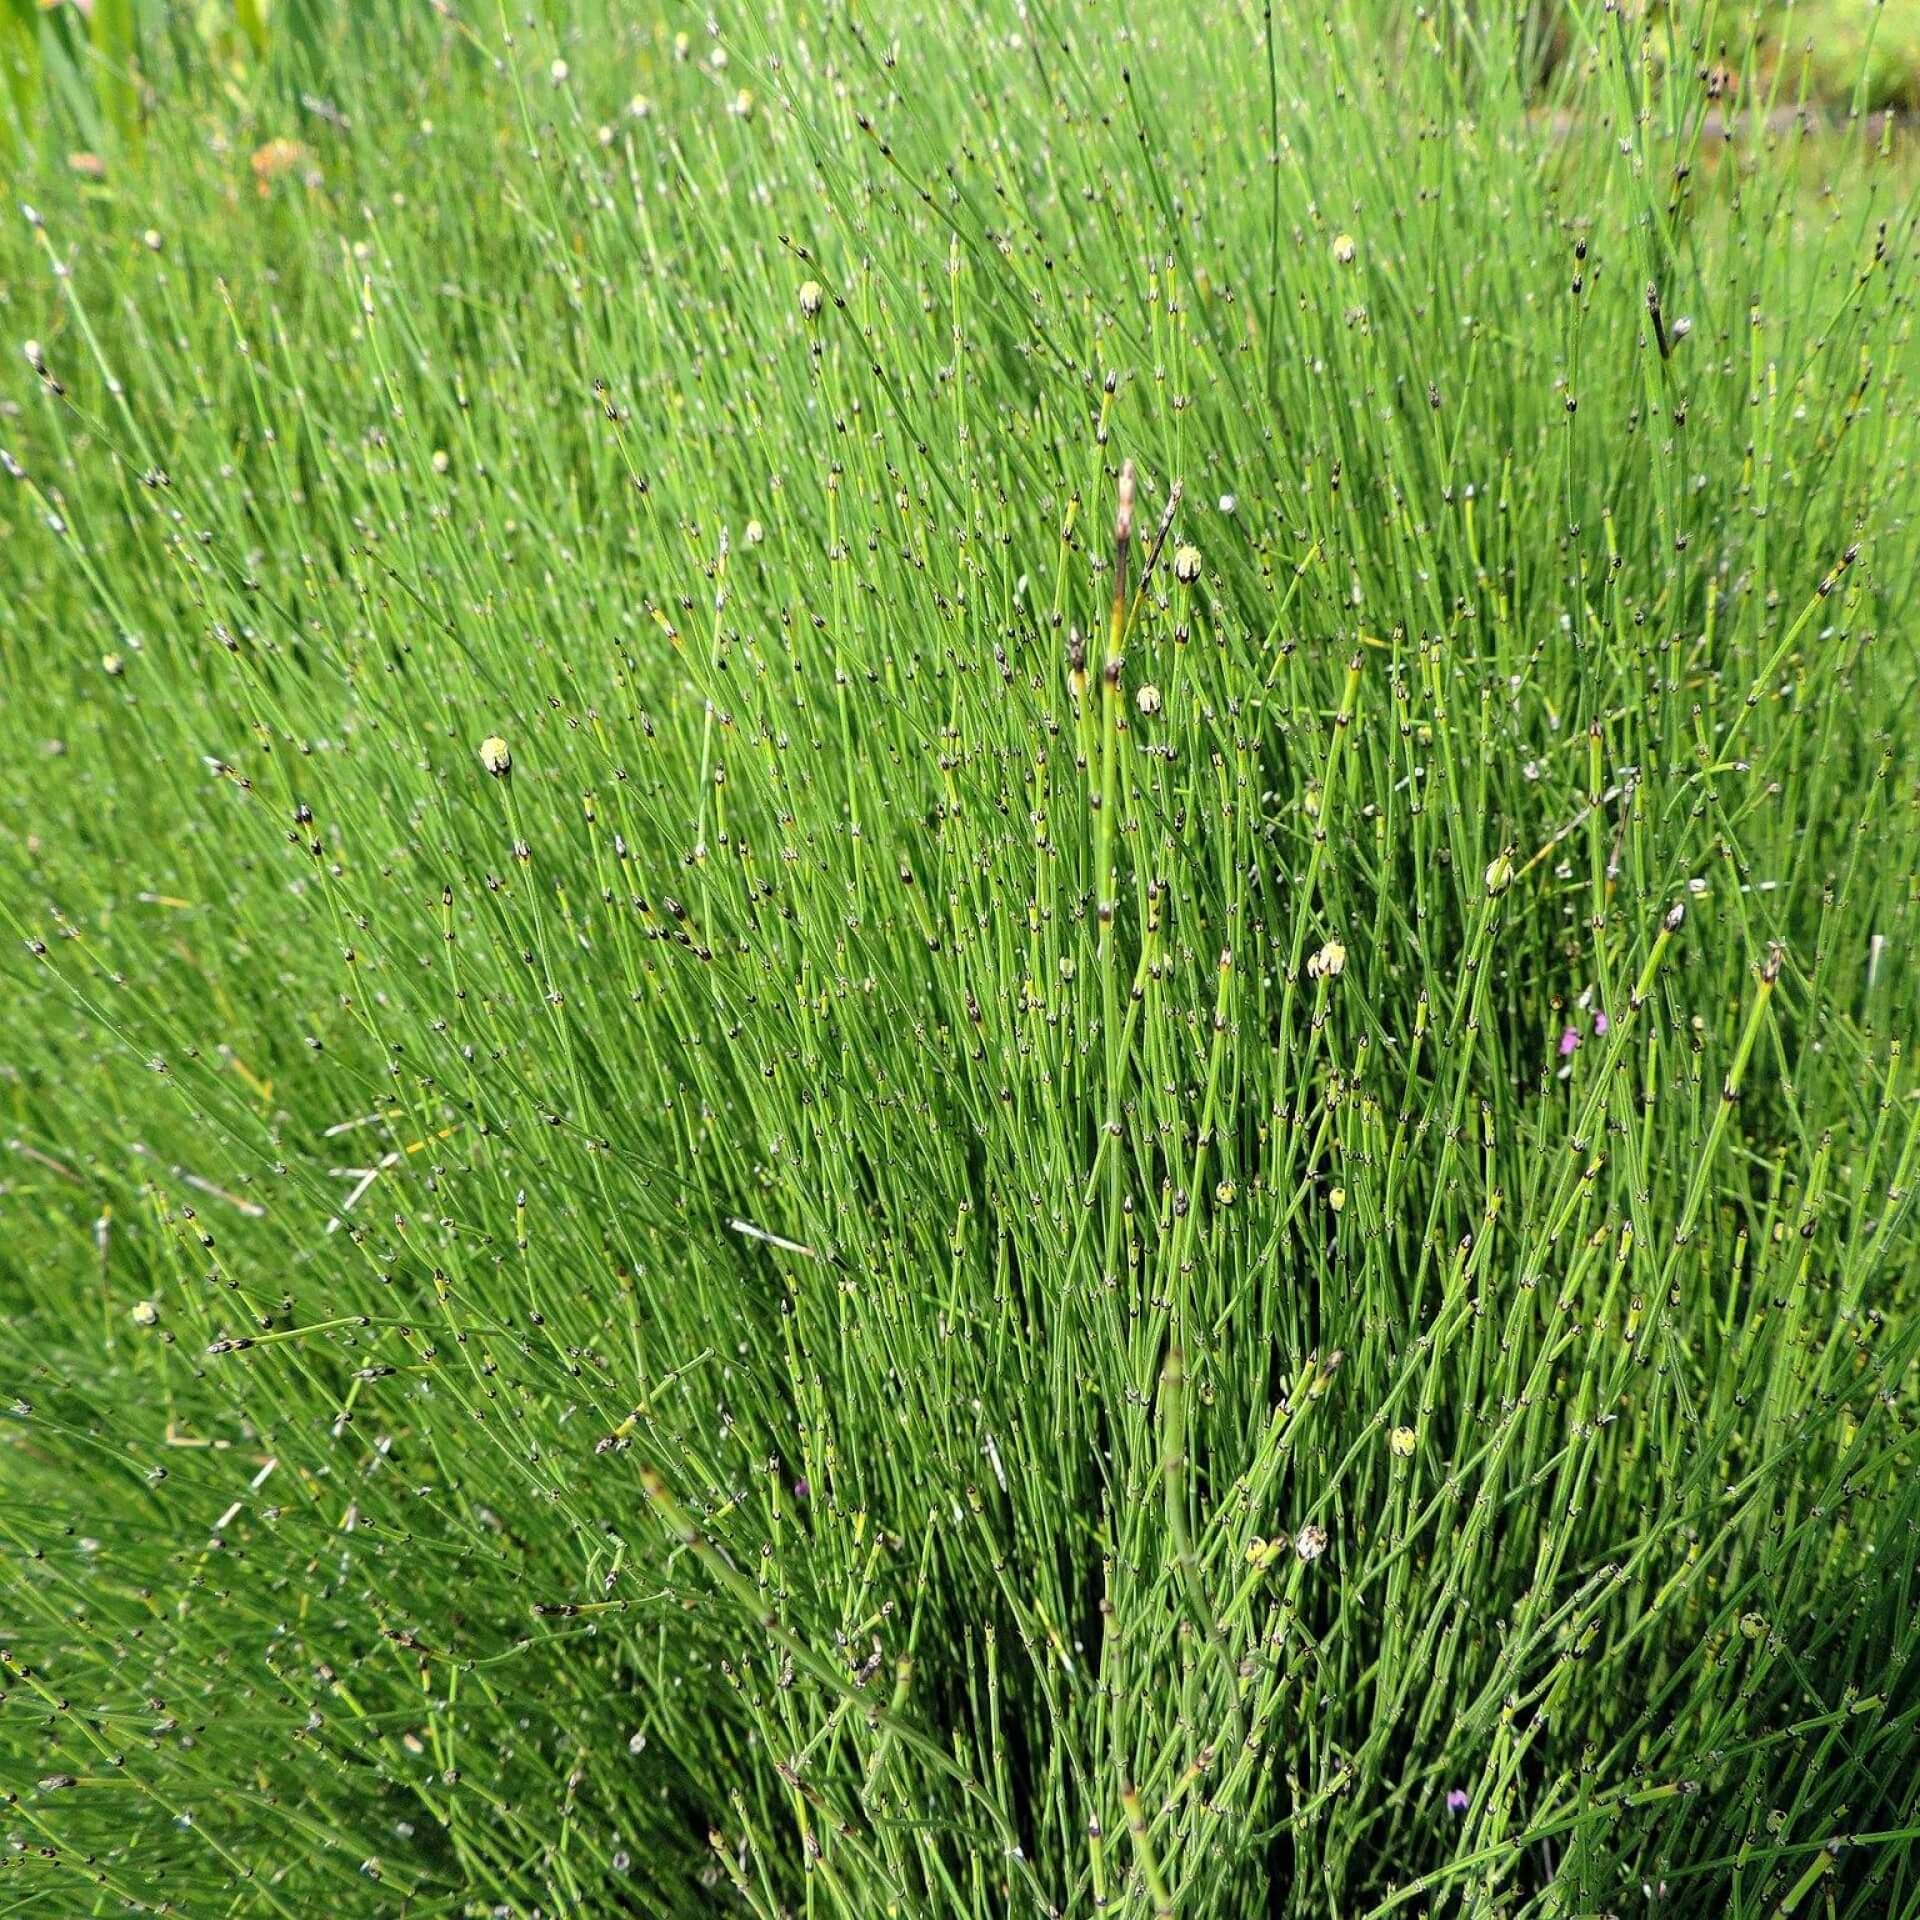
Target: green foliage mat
957	966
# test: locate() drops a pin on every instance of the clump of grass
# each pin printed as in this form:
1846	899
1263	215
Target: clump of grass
964	965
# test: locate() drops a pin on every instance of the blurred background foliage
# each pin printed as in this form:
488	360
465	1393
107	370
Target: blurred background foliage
90	78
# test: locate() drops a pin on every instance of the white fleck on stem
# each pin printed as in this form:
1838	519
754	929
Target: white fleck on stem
772	1239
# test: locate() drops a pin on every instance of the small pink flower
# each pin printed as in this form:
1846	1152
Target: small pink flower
1458	1799
1568	1041
1600	1024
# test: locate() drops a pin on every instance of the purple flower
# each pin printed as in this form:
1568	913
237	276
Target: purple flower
1600	1024
1569	1039
1458	1799
801	1489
